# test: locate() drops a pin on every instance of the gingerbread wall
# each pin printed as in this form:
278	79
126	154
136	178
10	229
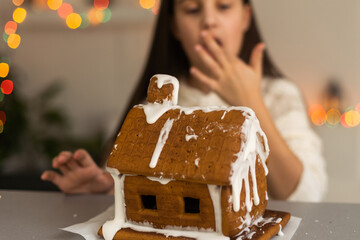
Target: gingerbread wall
170	204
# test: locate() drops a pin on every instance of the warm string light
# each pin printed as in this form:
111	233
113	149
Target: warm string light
99	13
333	117
152	5
6	88
13	40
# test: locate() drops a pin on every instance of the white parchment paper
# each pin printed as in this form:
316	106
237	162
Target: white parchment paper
90	228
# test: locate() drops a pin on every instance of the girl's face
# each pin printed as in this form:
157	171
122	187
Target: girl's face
225	20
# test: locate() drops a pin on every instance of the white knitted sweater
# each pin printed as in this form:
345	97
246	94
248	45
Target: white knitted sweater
285	104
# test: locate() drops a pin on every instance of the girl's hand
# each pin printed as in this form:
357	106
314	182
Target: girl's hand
235	81
80	174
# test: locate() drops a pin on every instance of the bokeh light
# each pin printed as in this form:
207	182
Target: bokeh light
107	15
357	107
343	122
93	17
73	21
333	117
313	108
5	37
19	15
147	4
2	117
156	7
4	69
14	41
1	127
1	96
54	4
84	21
65	10
352	118
10	27
17	2
318	117
101	4
7	87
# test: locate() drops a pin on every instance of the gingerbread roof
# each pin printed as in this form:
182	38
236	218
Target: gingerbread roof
190	144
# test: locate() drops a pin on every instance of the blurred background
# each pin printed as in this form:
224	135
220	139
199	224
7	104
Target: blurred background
72	66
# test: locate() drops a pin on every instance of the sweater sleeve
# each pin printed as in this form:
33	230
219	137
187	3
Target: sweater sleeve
287	108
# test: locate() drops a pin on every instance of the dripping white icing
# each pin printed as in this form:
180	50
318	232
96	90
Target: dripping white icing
163	181
215	193
246	159
280	233
164	134
111	227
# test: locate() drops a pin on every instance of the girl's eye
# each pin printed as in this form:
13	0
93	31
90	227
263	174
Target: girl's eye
192	10
224	6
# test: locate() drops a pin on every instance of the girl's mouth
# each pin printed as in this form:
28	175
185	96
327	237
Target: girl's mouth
218	42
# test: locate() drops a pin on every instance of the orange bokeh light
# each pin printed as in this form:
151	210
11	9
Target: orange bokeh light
17	2
4	70
65	10
19	15
93	16
14	41
73	20
54	4
315	107
10	27
7	87
1	127
147	4
318	117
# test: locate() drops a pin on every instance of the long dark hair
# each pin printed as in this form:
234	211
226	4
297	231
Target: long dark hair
168	57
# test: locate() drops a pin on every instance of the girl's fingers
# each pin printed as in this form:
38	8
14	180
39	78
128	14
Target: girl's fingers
83	158
209	61
62	158
203	78
256	58
214	48
52	177
66	162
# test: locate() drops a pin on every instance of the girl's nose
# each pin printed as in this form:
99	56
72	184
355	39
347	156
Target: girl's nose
209	18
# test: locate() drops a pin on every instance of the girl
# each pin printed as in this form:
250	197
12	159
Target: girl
215	50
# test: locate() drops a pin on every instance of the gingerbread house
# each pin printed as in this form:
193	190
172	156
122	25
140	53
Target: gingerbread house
189	173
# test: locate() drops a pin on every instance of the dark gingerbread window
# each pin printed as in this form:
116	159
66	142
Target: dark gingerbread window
192	205
149	202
